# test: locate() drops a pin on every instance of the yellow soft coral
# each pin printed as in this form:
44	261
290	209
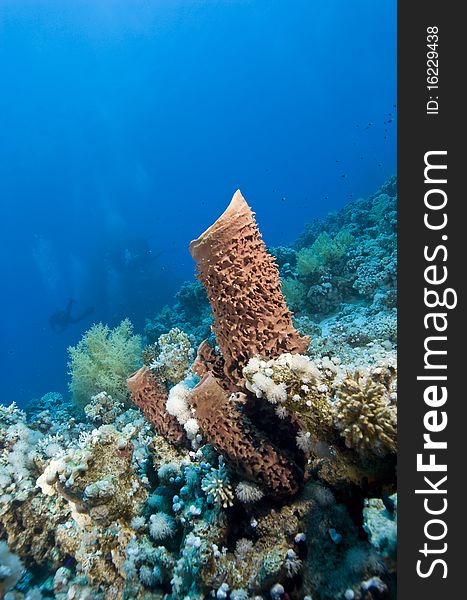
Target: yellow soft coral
102	361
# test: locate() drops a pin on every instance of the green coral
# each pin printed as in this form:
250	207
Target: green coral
294	291
102	361
324	251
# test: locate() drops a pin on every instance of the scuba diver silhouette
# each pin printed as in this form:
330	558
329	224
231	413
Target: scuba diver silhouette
61	319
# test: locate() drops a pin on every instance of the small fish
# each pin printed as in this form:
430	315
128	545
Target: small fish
343	175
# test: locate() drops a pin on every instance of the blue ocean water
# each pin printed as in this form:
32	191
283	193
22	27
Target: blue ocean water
126	126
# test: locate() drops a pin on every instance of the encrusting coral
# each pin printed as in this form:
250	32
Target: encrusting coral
97	479
243	286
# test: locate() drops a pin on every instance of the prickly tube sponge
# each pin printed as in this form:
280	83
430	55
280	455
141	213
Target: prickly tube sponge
246	450
243	286
150	396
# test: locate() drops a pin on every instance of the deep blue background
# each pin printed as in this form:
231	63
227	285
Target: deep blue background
126	126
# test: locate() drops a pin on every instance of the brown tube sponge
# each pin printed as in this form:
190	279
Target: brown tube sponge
208	361
247	451
150	396
244	289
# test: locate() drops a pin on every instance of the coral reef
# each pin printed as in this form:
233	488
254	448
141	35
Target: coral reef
380	522
170	358
260	467
97	478
190	313
102	360
103	409
347	257
243	286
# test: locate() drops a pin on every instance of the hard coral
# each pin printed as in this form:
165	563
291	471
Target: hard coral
150	396
243	287
97	479
103	409
246	450
173	356
365	416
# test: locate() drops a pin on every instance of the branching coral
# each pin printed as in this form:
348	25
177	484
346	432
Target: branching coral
102	360
173	355
103	409
243	287
365	416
